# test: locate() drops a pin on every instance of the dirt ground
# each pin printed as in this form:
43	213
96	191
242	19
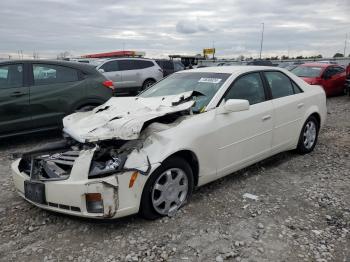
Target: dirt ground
302	213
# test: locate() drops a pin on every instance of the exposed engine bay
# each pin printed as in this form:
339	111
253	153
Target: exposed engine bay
112	154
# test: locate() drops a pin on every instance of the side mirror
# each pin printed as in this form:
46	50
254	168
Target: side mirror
101	70
234	105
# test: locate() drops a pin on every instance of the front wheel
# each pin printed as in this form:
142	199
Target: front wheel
168	189
308	136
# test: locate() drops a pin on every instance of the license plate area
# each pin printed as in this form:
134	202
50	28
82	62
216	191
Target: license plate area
35	192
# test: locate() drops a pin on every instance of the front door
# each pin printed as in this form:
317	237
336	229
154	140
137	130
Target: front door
14	99
245	137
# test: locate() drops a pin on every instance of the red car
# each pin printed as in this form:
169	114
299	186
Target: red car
331	77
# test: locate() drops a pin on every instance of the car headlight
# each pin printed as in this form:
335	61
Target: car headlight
102	168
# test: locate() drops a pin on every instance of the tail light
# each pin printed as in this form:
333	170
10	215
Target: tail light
109	84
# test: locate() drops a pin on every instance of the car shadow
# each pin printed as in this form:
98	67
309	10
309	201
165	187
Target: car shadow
30	140
212	187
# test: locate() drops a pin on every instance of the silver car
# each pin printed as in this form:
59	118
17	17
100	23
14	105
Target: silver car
131	74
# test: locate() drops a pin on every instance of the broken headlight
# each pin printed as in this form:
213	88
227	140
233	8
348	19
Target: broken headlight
104	168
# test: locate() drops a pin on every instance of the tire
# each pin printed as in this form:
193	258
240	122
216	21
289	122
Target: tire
308	136
148	83
160	189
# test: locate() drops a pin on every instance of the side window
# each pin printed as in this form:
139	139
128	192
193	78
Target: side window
280	84
53	74
178	66
141	64
127	65
339	69
249	87
168	65
11	76
111	66
296	88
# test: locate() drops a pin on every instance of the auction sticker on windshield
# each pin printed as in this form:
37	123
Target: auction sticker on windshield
209	80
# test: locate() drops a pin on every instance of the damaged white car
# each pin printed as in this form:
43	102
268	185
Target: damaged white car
146	154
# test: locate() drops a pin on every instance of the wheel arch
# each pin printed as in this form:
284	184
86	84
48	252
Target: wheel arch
149	78
191	158
318	118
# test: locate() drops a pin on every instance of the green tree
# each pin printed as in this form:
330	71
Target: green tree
338	55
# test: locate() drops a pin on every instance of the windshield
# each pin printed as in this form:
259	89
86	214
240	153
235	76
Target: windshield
307	71
206	85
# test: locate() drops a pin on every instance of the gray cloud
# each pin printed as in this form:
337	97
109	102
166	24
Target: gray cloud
190	27
49	27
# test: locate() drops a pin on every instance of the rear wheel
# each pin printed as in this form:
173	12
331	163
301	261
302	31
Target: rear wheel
168	189
308	136
148	83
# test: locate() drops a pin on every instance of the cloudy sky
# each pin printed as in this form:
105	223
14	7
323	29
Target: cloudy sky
159	28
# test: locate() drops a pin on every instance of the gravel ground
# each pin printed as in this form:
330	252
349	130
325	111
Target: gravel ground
302	213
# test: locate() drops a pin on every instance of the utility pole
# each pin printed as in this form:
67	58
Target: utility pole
346	40
262	38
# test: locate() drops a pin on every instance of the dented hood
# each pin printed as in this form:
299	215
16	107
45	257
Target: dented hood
123	117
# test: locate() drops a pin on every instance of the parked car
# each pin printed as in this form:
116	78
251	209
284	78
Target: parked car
170	66
331	77
131	74
260	62
291	67
36	94
147	153
347	85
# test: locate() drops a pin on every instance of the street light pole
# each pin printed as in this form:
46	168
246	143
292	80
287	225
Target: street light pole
262	39
346	40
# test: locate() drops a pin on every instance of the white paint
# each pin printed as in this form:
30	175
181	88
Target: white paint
222	143
122	117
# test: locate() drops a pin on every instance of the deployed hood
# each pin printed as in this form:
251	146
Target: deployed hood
123	117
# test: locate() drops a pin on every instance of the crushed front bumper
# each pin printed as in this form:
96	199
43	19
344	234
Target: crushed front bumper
68	196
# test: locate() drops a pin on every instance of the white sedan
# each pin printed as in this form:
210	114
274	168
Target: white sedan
146	154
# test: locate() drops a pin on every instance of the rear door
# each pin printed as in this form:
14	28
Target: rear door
289	109
14	98
131	74
112	72
53	90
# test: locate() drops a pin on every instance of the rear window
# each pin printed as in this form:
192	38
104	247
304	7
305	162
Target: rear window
307	71
53	74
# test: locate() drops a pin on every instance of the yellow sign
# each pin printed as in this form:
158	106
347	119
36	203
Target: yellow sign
208	51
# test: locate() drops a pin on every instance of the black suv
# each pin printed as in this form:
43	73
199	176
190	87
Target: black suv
36	94
170	66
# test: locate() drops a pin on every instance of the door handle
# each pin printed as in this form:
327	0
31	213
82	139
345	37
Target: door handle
300	105
264	118
17	94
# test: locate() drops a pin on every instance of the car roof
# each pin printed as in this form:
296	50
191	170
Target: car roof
73	64
131	58
232	69
323	65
